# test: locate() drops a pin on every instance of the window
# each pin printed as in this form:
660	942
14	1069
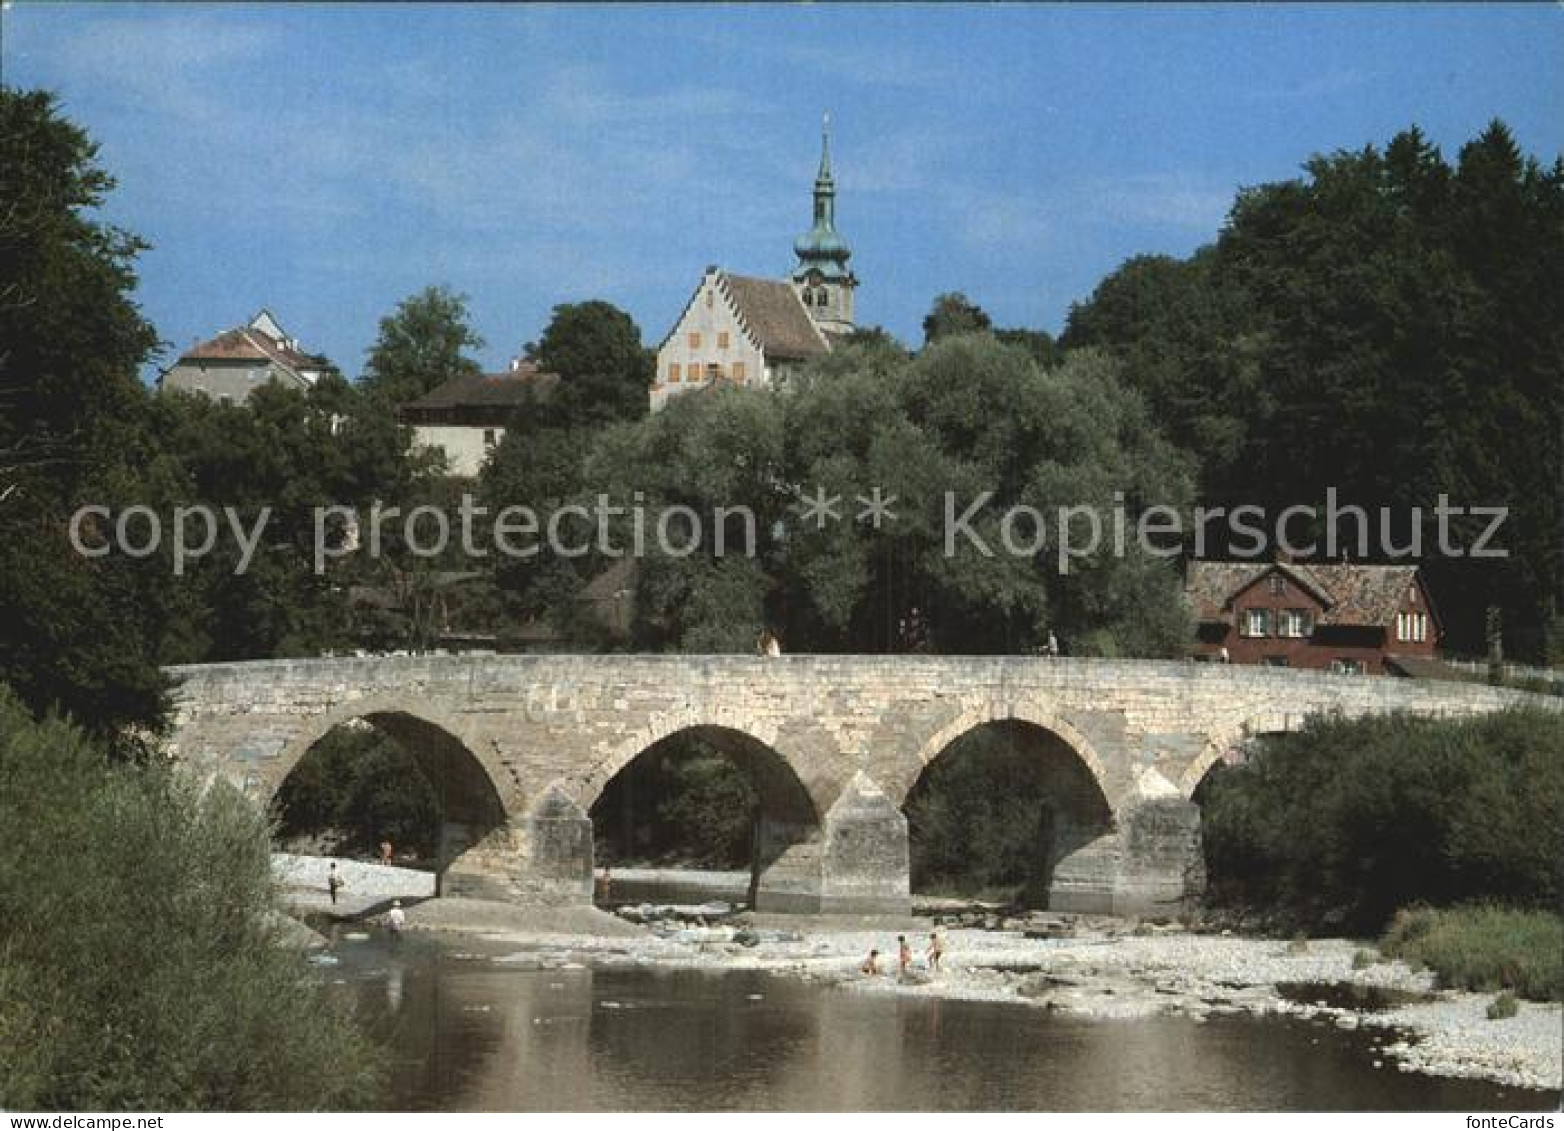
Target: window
722	339
695	339
738	372
1276	661
1412	627
673	373
1296	623
1278	584
1257	622
714	372
488	438
1347	667
710	297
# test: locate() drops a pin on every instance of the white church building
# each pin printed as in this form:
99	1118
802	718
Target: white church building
742	329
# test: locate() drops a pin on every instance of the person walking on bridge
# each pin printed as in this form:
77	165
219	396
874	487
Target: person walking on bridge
333	882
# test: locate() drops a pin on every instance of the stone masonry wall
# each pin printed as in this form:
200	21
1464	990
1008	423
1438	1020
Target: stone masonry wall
550	731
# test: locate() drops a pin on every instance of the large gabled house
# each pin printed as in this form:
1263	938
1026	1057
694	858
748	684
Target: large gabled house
1342	617
736	329
231	366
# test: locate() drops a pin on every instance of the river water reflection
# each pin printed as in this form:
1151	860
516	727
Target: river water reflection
473	1032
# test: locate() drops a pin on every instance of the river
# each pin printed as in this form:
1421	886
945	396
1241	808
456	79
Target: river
474	1032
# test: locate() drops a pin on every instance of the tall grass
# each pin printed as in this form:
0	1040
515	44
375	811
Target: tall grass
1484	948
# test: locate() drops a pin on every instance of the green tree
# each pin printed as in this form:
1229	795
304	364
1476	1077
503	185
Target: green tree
1386	325
604	370
81	634
421	345
953	313
867	417
924	430
290	451
1038	344
720	448
362	787
1347	820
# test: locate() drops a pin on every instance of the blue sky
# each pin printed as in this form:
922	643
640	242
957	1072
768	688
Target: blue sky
328	162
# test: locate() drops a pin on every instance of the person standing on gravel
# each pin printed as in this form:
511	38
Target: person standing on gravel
903	956
936	952
333	882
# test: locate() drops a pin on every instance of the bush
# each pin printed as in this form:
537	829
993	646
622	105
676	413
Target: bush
1346	820
1503	1006
140	962
1484	948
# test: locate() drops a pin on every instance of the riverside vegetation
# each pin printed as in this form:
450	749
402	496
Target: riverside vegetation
1441	833
142	963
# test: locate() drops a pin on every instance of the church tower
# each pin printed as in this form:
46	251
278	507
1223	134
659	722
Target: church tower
824	282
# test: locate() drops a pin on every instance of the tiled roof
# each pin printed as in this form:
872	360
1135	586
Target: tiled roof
770	310
243	344
1353	594
485	390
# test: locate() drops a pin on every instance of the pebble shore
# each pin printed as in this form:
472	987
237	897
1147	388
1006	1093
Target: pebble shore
1095	969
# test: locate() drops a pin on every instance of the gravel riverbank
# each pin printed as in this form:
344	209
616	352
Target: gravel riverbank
1089	968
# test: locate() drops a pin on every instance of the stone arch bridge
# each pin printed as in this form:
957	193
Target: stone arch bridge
521	746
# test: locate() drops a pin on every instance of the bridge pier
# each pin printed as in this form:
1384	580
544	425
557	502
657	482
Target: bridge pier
543	858
1147	862
786	867
864	867
855	863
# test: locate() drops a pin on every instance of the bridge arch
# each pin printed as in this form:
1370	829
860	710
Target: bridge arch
472	806
423	725
1223	744
738	728
1050	833
783	825
977	715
